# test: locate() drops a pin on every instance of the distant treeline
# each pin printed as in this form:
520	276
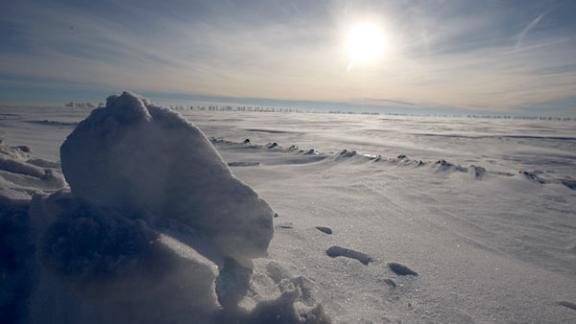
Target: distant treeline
298	110
73	104
235	108
316	111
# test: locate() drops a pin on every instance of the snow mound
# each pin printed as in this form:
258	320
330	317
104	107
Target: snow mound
22	177
346	154
20	180
533	176
132	155
155	229
98	265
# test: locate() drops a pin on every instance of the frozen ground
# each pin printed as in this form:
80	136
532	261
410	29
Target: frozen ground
482	210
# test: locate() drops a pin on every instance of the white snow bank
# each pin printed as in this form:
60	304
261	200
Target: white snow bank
135	156
20	179
155	229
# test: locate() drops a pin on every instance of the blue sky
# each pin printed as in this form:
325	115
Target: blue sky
503	56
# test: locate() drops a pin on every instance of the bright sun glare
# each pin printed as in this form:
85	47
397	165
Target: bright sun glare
365	44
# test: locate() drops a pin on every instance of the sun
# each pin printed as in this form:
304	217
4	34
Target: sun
365	44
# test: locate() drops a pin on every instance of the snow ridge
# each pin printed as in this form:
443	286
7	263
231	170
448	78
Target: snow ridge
439	166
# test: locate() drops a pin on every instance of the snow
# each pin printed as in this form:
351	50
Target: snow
338	251
401	269
135	156
97	265
481	209
16	249
21	177
153	229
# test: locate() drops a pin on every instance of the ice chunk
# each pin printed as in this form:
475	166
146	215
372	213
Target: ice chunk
132	155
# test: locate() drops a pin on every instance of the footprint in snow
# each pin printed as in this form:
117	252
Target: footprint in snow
391	283
401	269
567	304
338	251
324	229
285	225
243	164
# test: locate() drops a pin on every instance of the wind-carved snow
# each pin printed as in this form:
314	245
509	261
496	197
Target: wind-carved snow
155	229
21	177
135	156
483	213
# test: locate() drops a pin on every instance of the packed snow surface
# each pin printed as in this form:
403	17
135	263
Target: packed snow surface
482	210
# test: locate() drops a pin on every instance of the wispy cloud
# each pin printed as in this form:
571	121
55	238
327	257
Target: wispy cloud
469	54
530	26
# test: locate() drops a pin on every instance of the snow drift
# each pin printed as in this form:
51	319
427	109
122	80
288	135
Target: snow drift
131	155
21	177
154	229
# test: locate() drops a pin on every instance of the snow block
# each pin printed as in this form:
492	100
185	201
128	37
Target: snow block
132	155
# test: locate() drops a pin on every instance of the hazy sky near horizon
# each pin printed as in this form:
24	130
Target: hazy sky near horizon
498	55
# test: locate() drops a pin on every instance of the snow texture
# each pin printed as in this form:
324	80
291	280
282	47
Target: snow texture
338	251
401	269
21	177
154	229
324	229
482	209
132	155
16	272
100	265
